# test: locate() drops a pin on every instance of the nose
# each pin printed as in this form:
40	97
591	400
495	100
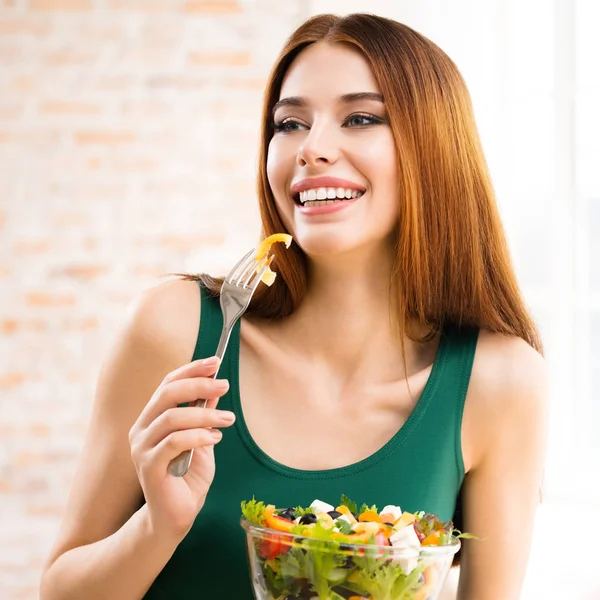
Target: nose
318	148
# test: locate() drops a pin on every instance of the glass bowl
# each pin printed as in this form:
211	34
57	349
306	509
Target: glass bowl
284	566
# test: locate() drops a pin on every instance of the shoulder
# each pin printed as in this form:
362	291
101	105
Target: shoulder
157	336
506	363
165	319
508	389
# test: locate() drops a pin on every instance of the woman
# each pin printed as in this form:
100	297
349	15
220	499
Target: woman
393	360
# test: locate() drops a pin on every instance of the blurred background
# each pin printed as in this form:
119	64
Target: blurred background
128	148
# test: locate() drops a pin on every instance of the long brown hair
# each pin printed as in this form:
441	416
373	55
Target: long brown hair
452	264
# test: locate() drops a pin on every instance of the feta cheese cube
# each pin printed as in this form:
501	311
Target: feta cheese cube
346	518
406	538
408	564
321	506
390	509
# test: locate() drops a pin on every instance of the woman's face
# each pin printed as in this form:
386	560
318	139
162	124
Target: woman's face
332	161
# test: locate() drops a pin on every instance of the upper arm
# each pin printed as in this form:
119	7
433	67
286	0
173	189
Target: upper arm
158	336
506	424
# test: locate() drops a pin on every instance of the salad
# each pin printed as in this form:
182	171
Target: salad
347	552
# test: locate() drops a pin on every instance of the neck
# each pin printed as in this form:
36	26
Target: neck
346	317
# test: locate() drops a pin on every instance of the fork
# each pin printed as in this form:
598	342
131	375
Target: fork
237	291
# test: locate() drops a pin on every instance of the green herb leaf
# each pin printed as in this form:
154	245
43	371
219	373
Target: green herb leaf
343	526
349	504
253	511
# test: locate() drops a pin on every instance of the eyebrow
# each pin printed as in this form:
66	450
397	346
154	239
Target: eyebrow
345	99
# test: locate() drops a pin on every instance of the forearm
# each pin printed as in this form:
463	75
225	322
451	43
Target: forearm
119	567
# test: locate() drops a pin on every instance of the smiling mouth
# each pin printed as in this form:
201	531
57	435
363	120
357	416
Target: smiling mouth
323	195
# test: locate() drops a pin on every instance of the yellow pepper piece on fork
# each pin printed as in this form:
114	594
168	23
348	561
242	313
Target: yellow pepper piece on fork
263	250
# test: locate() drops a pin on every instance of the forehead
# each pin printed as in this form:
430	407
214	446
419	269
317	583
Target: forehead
324	67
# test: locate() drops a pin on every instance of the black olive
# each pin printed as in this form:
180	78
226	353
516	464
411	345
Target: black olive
334	514
349	563
390	524
308	518
287	514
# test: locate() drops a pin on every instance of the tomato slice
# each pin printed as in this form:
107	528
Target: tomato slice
272	546
381	539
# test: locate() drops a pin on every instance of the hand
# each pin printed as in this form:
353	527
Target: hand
164	430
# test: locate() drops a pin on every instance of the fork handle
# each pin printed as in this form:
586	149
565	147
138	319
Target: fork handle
180	465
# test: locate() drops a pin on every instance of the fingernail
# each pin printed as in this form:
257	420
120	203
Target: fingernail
226	416
216	433
221	384
208	362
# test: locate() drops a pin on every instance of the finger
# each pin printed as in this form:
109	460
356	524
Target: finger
180	441
179	419
179	392
205	367
212	403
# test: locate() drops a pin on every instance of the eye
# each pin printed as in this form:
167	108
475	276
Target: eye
288	125
362	120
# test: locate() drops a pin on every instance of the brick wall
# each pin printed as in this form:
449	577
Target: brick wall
128	136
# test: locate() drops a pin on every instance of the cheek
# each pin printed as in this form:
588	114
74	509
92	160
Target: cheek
277	175
382	159
276	171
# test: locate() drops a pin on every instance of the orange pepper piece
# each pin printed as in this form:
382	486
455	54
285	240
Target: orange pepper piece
278	523
369	516
433	539
344	510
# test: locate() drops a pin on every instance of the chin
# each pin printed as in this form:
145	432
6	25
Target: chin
325	245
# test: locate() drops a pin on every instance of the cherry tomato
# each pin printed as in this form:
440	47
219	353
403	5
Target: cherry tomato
272	546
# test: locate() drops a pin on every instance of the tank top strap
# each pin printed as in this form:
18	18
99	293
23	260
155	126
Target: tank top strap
458	360
456	364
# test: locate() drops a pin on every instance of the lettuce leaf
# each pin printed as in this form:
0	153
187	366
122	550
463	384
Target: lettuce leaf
383	579
323	562
279	583
365	508
299	511
253	511
428	523
457	533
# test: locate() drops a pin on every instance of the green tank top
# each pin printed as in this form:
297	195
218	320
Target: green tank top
420	468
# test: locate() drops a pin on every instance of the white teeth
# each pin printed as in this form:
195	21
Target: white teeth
328	194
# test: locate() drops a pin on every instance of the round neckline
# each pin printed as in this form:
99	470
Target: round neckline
398	439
